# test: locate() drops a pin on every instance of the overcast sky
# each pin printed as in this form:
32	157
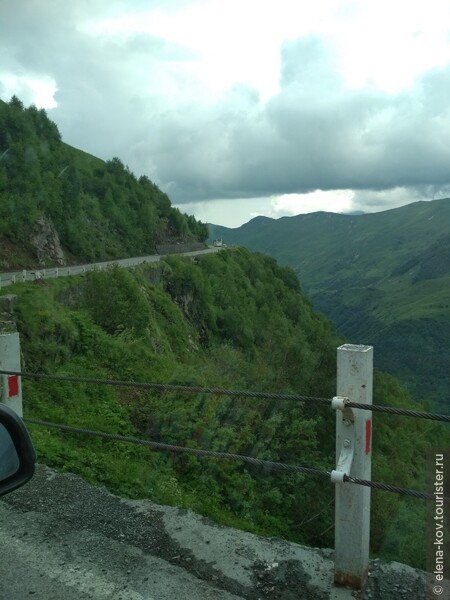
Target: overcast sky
243	107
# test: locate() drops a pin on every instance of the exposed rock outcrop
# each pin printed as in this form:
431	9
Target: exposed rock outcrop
45	240
7	318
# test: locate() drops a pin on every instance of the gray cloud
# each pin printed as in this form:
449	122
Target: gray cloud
134	99
314	134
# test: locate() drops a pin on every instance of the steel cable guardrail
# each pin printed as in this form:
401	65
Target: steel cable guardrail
233	393
160	446
184	449
169	387
399	411
353	440
386	487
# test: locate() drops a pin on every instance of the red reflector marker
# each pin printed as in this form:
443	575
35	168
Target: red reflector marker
13	386
368	434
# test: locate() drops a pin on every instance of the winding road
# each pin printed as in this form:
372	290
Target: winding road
9	278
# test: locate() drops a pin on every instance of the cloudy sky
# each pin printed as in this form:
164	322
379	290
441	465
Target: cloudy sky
243	107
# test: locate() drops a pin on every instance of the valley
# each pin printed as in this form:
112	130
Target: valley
382	278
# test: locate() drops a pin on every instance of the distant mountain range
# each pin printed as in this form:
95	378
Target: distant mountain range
383	278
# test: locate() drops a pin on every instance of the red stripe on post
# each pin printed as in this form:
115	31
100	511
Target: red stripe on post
368	435
13	386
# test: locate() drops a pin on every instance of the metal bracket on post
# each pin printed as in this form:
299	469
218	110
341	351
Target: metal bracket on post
345	460
339	402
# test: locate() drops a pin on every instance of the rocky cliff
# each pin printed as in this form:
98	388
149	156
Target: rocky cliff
45	241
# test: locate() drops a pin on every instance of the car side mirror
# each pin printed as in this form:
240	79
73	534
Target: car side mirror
17	455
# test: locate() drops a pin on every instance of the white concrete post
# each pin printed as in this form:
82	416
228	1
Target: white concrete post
354	435
11	385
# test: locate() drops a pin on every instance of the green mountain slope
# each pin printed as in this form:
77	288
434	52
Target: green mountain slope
59	204
383	278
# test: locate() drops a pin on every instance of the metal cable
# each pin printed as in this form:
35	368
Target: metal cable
181	449
171	387
393	488
247	459
399	411
232	393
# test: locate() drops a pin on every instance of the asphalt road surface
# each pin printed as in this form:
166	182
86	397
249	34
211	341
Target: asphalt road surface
62	539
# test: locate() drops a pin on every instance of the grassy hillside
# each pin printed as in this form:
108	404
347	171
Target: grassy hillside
383	278
235	320
53	195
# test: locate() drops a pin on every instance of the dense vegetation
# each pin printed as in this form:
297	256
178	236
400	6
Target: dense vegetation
99	210
235	320
383	279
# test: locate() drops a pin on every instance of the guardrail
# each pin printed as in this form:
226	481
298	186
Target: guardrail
39	274
353	407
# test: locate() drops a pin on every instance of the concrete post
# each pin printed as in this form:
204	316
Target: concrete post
11	385
353	433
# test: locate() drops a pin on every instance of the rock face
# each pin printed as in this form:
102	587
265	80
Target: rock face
8	303
7	308
45	240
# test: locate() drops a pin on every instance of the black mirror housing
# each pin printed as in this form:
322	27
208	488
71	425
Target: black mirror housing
17	448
